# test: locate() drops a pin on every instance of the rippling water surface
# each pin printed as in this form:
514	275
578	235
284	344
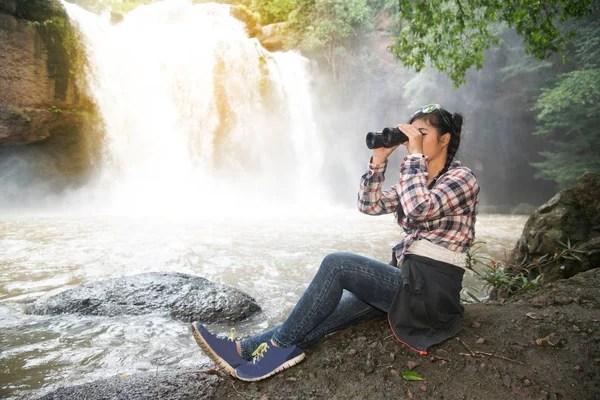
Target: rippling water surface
271	258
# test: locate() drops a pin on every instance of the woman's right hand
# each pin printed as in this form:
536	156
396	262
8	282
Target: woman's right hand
382	153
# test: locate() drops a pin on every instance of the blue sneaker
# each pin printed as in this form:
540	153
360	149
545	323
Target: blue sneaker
221	349
269	360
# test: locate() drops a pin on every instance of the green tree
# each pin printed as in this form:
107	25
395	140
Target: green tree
568	111
453	34
272	10
328	27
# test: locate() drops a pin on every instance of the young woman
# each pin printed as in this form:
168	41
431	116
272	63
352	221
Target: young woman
435	201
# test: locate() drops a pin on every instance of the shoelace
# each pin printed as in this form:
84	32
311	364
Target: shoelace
259	352
230	336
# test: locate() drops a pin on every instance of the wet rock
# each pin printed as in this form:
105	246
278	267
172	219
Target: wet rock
272	36
167	385
185	297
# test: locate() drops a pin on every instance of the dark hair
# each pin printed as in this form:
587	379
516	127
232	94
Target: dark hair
445	122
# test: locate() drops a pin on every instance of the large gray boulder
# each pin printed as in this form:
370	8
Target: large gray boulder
185	297
572	216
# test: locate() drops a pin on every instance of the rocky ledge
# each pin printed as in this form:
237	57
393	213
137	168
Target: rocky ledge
542	345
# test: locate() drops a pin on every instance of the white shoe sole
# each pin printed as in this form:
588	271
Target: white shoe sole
286	365
222	364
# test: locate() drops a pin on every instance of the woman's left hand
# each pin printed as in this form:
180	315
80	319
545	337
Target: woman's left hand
415	138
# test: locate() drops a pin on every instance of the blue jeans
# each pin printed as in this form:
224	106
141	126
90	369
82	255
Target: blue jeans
346	290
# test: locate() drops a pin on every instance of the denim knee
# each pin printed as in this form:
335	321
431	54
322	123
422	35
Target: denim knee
334	260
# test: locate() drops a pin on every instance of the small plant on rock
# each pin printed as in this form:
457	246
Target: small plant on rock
502	282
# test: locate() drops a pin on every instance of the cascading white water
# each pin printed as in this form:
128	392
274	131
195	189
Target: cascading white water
196	112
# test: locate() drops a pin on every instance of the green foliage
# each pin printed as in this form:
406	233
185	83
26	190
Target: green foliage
503	282
567	251
66	55
58	21
15	111
330	29
116	5
124	6
272	11
567	113
453	34
39	10
54	109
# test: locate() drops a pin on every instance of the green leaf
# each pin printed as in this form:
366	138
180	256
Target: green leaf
411	376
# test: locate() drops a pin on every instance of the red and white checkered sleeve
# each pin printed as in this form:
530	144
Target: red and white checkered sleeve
372	199
455	193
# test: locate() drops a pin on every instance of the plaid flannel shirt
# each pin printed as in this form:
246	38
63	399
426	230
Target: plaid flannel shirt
444	215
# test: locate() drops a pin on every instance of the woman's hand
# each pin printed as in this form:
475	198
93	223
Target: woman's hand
415	138
382	153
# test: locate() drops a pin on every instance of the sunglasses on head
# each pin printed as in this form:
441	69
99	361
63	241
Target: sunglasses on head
429	108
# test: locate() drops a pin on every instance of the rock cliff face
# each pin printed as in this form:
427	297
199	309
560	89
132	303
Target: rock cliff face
272	37
571	217
41	58
49	130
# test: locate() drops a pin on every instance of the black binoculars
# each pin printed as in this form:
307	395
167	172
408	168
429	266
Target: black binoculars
389	137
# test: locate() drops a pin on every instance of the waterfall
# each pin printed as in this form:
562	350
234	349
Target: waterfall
197	114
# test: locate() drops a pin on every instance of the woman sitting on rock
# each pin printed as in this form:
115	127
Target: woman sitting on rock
435	201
